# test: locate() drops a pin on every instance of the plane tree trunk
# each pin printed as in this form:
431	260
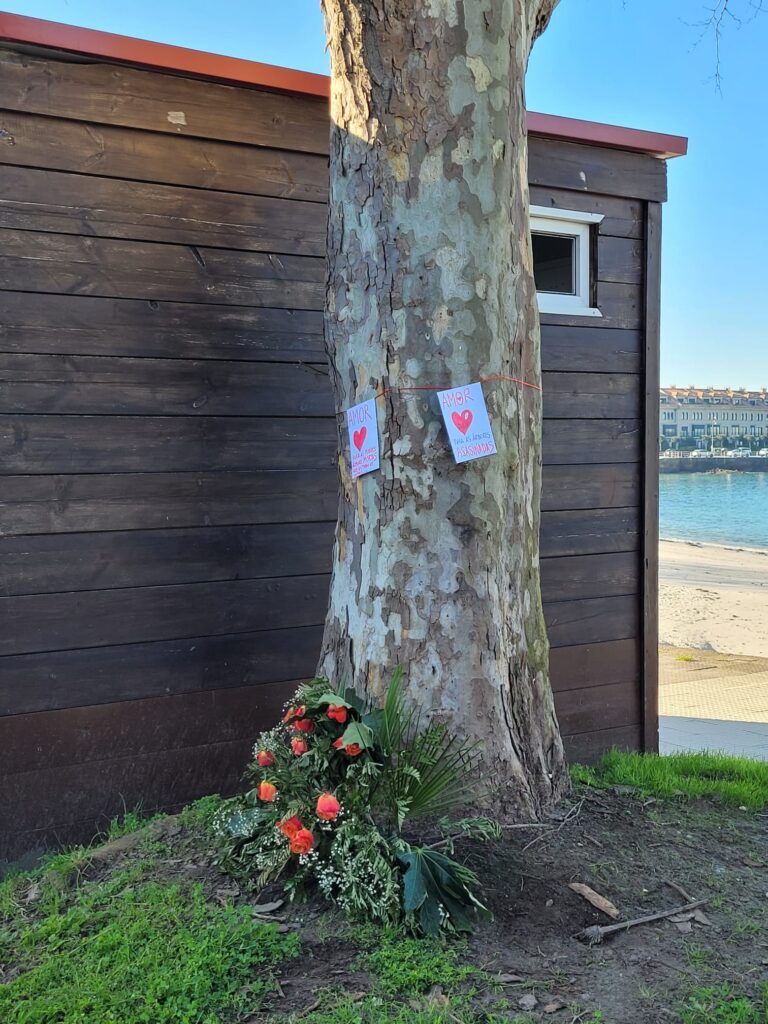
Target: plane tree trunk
436	565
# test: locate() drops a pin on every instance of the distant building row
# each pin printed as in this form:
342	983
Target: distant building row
705	414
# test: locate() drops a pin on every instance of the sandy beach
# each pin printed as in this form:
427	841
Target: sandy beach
713	598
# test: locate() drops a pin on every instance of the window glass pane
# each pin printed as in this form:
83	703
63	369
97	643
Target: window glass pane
554	263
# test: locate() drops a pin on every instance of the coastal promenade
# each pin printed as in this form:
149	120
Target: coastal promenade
713	618
750	464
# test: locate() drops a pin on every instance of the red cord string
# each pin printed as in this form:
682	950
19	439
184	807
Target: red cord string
440	387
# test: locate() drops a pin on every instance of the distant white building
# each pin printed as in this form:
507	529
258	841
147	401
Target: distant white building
709	415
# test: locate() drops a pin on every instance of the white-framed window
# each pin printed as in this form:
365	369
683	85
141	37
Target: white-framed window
562	260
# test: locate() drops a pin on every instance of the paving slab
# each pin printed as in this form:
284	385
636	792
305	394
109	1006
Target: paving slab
741	739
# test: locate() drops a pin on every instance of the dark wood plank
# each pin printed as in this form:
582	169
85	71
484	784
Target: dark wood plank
622	218
590	349
87	325
589	747
57	739
575	668
150	501
590	486
76	204
102	675
104	561
590	532
614	706
594	396
100	618
115	444
572	441
38	262
127	386
133	98
580	577
101	385
621	306
98	792
620	259
651	481
580	168
121	444
132	154
592	621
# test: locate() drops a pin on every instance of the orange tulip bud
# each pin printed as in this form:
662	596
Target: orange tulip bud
303	841
267	792
328	807
304	725
289	826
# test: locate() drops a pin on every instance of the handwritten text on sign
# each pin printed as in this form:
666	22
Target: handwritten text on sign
467	423
363	438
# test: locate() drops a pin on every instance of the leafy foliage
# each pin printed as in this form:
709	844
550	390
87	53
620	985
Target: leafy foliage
437	888
334	789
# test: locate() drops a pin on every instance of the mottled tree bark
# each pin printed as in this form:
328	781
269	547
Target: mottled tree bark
436	565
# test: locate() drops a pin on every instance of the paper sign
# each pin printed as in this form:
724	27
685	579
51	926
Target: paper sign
363	438
467	423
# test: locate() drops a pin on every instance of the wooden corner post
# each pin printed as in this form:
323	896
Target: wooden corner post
650	551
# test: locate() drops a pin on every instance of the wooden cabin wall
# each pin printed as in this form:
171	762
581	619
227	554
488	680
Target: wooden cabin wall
167	444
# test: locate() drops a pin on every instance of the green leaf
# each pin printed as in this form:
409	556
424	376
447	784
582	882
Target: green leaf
373	720
332	698
394	719
353	701
432	881
414	889
358	733
430	918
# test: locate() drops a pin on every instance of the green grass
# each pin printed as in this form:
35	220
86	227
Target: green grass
721	1005
408	967
140	954
132	948
737	781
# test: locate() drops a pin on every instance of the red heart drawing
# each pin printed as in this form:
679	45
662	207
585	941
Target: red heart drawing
462	420
359	437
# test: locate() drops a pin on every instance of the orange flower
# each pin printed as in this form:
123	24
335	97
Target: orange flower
328	807
267	792
298	712
337	713
304	725
303	841
299	745
265	758
289	826
353	749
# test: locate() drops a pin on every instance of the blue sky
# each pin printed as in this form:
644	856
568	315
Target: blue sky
644	63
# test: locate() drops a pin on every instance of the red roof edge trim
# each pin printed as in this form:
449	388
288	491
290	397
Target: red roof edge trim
570	129
86	42
16	28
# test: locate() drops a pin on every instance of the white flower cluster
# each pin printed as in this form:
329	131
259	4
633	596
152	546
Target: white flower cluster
330	880
266	740
309	859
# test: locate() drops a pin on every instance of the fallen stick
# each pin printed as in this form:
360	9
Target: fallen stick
597	932
680	890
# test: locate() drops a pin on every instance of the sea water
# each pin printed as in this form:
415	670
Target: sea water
715	508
